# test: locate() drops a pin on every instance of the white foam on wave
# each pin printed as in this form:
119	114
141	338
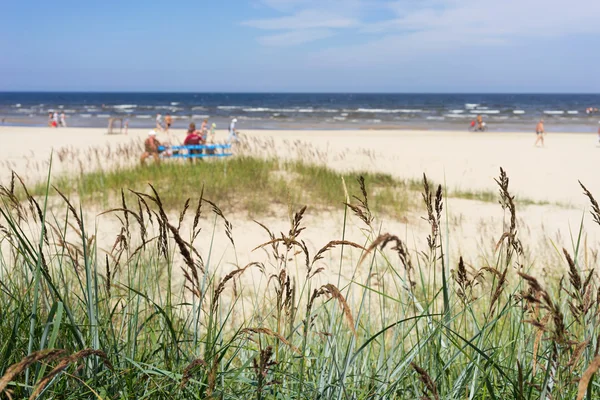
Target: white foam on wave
344	114
85	115
457	116
25	110
554	112
174	103
388	111
18	105
197	116
457	111
198	108
339	118
125	106
518	112
436	118
226	107
103	115
572	112
143	116
475	112
470	106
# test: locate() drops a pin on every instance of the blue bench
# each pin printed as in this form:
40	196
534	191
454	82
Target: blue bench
205	150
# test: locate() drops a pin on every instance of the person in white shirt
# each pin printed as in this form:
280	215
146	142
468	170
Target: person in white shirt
159	126
63	120
232	131
55	118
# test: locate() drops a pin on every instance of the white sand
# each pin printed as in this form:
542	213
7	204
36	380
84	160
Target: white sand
468	161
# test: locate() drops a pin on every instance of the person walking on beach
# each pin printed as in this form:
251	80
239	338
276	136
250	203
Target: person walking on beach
151	146
159	122
204	129
55	119
232	132
63	119
480	125
539	132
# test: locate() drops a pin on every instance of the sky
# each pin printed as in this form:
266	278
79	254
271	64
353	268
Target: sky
518	46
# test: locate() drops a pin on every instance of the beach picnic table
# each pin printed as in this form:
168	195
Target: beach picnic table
196	151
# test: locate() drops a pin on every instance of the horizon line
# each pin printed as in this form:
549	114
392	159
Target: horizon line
291	92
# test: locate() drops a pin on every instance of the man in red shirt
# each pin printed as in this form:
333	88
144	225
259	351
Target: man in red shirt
193	138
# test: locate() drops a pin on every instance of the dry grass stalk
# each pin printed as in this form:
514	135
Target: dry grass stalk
595	208
228	277
382	241
507	202
334	292
190	369
197	215
424	377
261	369
226	223
434	212
72	209
577	353
498	290
64	364
587	377
540	296
331	245
268	332
464	282
362	210
541	326
16	369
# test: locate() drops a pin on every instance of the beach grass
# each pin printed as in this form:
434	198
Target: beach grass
239	184
77	321
250	184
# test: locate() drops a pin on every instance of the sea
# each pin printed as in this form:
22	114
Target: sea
502	112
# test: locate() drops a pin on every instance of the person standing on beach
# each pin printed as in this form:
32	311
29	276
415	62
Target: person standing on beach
539	132
480	122
232	131
159	126
55	119
168	122
63	120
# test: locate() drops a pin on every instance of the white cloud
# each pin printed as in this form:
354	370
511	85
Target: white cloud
307	19
432	24
294	38
487	20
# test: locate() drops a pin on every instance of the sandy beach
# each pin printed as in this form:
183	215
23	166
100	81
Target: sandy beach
464	161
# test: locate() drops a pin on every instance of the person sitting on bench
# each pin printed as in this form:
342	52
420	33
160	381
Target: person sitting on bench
151	146
193	138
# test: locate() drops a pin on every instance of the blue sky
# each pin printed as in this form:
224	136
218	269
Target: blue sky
302	45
